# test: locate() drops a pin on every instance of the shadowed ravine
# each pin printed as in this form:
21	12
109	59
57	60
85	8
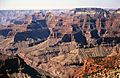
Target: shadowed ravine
12	66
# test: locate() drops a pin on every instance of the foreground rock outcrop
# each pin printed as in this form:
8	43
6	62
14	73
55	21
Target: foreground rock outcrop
100	67
15	67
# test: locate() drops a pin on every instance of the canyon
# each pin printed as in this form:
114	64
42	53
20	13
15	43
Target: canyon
76	43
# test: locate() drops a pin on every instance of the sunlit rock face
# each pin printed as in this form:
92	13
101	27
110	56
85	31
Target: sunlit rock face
99	67
37	31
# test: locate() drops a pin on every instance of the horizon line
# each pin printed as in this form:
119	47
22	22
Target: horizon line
55	8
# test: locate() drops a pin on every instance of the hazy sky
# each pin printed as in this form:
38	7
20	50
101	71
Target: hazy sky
57	4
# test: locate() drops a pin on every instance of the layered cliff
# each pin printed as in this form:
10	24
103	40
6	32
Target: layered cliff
83	43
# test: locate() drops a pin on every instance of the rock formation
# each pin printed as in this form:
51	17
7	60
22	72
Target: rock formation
82	42
15	67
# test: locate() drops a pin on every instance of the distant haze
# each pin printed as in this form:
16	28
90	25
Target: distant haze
57	4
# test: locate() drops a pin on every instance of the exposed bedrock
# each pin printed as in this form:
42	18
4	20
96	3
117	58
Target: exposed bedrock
15	67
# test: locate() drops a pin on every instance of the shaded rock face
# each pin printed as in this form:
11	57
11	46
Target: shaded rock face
116	40
5	32
93	29
103	26
18	22
37	31
94	34
37	24
92	23
89	9
67	38
12	66
34	34
78	36
60	22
